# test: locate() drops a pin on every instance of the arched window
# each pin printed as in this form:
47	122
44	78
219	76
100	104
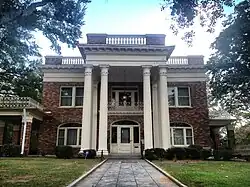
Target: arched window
69	134
181	134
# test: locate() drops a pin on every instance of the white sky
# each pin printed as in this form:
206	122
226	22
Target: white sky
133	17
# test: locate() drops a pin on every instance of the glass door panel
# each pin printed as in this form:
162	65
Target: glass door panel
125	135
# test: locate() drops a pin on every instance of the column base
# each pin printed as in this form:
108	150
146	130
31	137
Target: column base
105	152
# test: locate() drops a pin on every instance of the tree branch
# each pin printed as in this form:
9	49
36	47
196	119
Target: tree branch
14	14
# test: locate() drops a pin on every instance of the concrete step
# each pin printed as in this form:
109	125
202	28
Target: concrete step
124	156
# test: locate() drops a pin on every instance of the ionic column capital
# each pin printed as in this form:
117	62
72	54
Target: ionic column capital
146	70
162	70
104	69
88	71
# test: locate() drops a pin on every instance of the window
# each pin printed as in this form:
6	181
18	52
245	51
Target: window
181	134
69	134
72	96
114	135
179	96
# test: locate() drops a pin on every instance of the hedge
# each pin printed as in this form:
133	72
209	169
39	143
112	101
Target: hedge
64	152
10	150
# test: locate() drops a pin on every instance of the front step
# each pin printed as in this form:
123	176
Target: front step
124	156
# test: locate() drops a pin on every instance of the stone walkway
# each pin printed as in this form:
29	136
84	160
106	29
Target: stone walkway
126	173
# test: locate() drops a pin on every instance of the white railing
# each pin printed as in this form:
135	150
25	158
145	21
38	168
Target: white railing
72	60
177	61
126	39
19	103
125	106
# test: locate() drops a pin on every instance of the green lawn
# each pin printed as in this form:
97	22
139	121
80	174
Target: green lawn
209	173
42	171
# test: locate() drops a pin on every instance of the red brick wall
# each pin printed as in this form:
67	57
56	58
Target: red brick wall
197	115
51	99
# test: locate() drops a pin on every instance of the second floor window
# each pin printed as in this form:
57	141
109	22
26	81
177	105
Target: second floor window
71	96
179	96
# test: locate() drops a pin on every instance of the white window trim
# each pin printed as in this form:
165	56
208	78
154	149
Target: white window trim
184	136
65	136
73	97
176	99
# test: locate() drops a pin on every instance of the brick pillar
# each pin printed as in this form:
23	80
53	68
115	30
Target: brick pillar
27	135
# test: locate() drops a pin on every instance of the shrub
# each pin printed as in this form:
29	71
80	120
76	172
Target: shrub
150	154
205	154
160	153
176	152
193	153
11	150
223	154
64	152
198	147
88	154
1	150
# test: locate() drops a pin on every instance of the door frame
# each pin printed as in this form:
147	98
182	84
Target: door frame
133	146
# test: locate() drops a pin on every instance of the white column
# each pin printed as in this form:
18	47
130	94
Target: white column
103	124
148	140
156	126
164	109
94	116
86	112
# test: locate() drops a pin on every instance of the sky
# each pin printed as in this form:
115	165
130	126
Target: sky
134	17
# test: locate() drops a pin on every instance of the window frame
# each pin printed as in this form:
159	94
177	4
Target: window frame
65	136
184	136
176	97
73	99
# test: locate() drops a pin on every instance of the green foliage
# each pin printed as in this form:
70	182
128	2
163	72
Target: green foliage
183	14
223	154
64	152
229	66
150	154
178	153
58	20
11	150
205	154
193	153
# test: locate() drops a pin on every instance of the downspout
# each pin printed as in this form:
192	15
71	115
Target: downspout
24	130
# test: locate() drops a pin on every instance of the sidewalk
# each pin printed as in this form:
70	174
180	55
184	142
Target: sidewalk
126	173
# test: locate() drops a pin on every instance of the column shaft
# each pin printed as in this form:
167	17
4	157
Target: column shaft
86	113
164	108
148	140
103	124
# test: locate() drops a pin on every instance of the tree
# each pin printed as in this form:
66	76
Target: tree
185	12
229	65
58	20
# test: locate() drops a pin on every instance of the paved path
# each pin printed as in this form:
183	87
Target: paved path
126	173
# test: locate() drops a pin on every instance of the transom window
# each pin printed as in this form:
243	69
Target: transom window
69	134
181	134
179	96
71	96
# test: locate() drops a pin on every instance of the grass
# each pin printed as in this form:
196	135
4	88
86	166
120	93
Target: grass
42	171
209	173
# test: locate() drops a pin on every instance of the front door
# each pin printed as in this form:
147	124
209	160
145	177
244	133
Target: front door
125	139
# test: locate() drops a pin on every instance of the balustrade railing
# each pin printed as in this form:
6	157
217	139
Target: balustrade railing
126	39
125	106
19	103
79	60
